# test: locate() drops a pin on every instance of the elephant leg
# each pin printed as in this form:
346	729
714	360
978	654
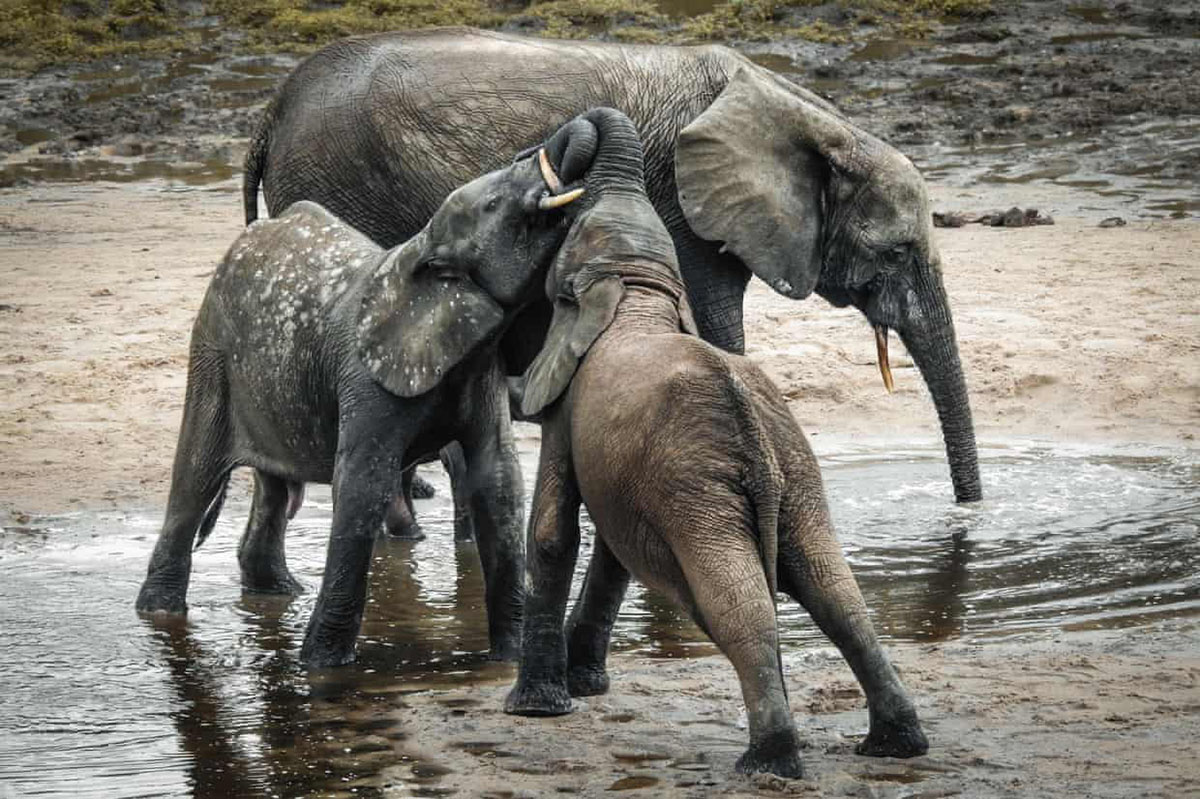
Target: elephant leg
363	485
813	571
421	488
497	502
552	546
198	480
261	551
716	283
400	521
590	627
733	604
455	464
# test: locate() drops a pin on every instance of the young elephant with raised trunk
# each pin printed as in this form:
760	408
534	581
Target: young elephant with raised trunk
318	356
697	477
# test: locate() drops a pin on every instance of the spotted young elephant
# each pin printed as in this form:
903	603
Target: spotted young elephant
319	356
696	476
750	173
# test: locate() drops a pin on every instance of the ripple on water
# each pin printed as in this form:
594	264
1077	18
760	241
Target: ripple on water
217	705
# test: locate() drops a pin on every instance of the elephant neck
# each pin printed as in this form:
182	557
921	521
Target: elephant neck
646	310
651	301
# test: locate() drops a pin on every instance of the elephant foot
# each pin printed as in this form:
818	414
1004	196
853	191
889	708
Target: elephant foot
587	680
271	583
325	656
897	738
157	597
464	528
400	523
538	699
422	488
326	646
406	532
778	754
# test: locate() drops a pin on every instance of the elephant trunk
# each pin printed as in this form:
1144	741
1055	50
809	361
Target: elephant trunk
934	349
619	162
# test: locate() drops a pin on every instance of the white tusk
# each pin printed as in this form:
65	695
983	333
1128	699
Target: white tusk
559	200
555	185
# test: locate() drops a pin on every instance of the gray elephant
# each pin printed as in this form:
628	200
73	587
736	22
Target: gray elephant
750	173
318	356
697	478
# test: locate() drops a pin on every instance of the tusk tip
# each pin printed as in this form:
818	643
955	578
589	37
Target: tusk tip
559	200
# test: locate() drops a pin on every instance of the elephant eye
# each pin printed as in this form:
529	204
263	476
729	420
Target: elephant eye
492	204
897	255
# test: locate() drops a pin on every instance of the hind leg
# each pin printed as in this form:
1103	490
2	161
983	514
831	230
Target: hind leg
813	571
261	552
401	518
590	625
198	479
733	604
455	463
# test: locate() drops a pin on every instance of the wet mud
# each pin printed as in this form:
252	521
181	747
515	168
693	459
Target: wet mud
217	705
1101	101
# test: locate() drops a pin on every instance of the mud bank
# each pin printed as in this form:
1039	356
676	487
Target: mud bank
1068	332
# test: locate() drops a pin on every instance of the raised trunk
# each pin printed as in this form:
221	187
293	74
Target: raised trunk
935	351
619	162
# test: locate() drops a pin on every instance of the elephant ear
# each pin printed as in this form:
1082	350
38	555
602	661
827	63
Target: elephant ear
575	326
751	171
414	326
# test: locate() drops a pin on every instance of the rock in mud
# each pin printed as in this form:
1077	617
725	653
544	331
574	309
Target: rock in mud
1113	221
1015	217
949	219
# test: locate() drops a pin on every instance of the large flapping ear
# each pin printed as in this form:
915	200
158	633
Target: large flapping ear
575	326
751	171
415	325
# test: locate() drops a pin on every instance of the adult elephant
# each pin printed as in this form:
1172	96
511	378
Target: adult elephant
750	173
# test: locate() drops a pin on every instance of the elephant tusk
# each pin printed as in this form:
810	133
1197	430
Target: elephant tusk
881	350
559	200
552	181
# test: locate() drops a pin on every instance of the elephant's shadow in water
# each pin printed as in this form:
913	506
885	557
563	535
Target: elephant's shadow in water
314	728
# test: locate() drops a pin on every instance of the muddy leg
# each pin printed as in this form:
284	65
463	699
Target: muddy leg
455	464
261	552
590	626
551	548
735	606
197	481
813	571
401	519
363	484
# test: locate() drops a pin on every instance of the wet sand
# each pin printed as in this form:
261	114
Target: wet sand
1069	333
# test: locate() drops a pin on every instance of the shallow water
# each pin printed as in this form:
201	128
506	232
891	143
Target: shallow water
97	701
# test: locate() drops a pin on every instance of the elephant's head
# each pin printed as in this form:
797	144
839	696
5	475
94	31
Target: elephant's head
455	285
616	239
811	203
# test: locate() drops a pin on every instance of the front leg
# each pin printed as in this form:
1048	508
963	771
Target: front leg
365	478
552	545
495	493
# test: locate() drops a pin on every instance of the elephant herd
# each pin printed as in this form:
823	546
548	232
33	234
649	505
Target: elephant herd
469	226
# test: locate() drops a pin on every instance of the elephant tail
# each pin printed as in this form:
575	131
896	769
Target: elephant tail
209	520
762	478
256	162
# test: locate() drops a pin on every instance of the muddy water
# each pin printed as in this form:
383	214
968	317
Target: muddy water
98	701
